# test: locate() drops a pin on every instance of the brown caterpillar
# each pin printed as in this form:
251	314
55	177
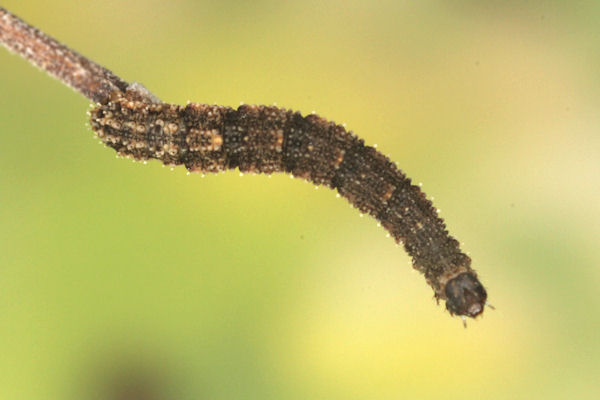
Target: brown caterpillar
260	139
264	139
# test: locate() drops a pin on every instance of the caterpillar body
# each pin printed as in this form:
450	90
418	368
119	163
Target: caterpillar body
266	139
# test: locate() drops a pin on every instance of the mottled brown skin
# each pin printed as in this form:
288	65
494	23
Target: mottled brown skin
264	139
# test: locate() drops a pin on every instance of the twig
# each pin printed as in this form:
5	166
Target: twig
90	79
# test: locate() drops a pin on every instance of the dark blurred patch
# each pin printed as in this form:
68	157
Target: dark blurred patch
127	375
134	382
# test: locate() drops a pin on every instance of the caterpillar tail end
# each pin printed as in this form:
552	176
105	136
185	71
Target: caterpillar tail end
465	295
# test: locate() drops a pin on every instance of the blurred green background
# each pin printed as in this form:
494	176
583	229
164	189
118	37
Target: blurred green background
115	274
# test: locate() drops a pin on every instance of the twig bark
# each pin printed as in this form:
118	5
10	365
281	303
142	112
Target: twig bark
90	79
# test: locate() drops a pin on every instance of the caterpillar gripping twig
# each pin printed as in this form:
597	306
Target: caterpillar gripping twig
261	139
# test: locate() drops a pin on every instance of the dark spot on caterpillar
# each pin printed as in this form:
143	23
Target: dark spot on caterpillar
266	139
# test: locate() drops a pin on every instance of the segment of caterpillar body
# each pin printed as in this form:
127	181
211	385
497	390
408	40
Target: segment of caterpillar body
260	139
264	139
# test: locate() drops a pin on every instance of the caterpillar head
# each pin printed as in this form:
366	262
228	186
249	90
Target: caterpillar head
465	295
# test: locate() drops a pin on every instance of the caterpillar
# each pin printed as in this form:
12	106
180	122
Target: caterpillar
262	139
267	139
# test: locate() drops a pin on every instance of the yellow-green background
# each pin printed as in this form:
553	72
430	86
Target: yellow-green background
254	288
